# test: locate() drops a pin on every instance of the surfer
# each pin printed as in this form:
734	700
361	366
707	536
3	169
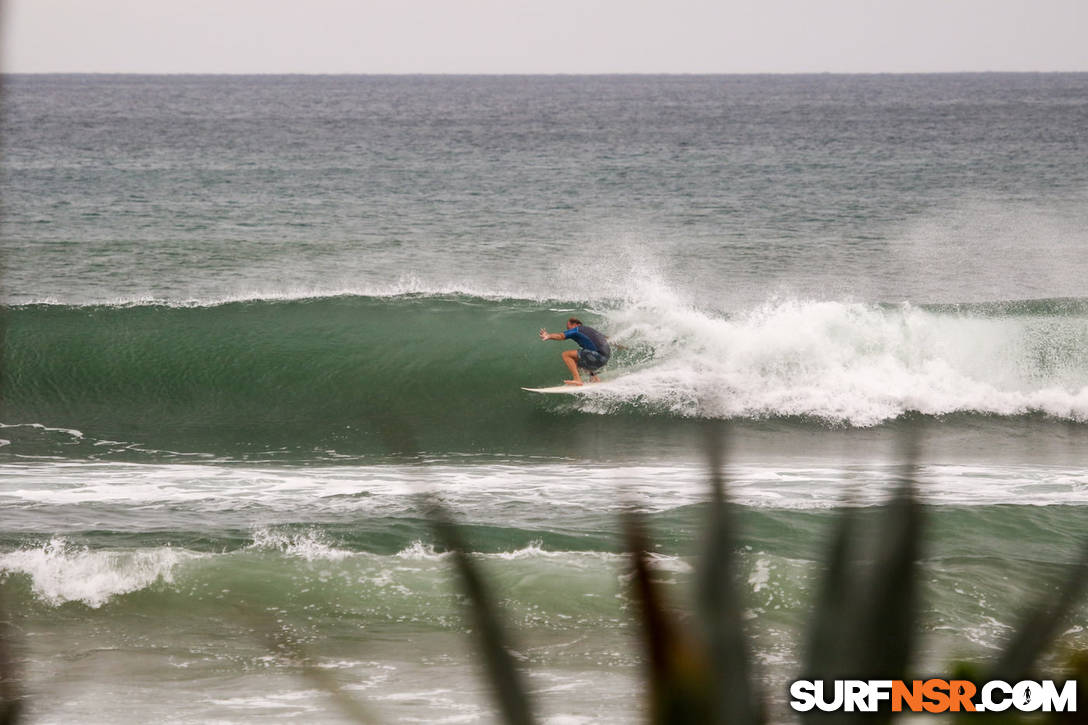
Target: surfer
592	353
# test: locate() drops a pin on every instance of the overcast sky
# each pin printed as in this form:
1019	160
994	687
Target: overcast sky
543	36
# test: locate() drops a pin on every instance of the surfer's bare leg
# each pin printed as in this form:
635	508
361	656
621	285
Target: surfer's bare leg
570	357
593	377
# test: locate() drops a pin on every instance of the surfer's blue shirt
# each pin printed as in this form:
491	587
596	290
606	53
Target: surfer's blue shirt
589	339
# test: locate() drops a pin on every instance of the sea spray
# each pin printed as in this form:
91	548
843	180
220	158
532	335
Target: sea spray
62	572
852	363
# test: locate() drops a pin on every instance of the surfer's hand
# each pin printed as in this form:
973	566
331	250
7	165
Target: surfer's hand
543	334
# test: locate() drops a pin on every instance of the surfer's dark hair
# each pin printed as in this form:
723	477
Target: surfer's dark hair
574	321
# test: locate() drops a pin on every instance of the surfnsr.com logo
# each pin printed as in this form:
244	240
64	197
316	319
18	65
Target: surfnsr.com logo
933	696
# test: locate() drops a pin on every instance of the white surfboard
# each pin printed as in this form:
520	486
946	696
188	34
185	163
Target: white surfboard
565	389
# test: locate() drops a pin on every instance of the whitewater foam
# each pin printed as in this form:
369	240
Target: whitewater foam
310	545
71	432
61	572
136	490
848	363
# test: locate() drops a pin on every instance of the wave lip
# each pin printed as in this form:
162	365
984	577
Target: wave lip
404	288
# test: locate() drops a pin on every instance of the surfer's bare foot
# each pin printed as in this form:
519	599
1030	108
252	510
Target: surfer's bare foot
573	382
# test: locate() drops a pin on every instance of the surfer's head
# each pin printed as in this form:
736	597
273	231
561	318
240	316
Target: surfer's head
573	322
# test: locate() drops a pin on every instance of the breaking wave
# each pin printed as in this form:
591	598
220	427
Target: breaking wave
444	372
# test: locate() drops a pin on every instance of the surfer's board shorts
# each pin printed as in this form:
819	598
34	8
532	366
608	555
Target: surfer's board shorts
591	360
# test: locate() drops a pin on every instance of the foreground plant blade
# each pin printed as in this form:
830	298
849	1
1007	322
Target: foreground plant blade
502	670
1040	626
399	436
11	704
737	700
865	622
890	608
284	644
829	631
681	684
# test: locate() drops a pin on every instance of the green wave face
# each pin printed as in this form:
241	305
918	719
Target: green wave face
356	374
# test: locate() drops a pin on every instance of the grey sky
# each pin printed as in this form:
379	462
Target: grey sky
543	36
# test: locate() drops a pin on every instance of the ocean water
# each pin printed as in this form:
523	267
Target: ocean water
250	321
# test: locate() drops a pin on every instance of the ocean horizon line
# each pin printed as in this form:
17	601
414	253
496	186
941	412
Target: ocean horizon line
541	74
